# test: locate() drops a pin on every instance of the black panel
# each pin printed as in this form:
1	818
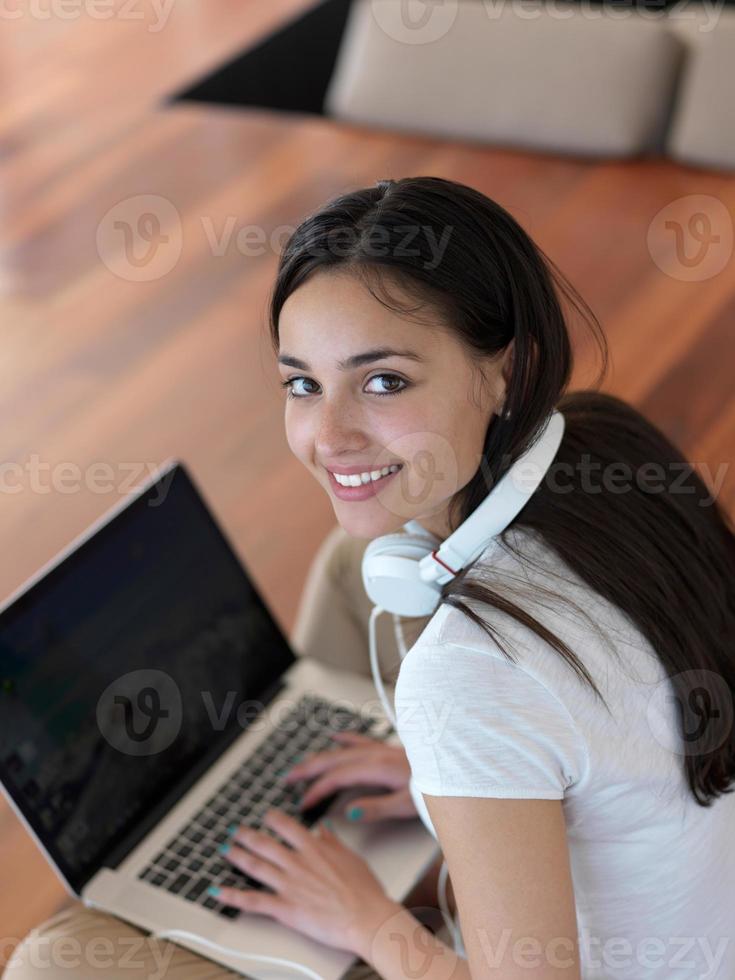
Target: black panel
288	70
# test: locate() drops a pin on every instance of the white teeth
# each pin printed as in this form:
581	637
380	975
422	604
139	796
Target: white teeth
357	479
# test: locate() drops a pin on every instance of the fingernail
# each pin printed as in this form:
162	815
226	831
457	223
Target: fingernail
224	848
328	823
213	890
232	829
355	813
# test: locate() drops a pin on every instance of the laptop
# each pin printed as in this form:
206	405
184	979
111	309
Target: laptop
149	702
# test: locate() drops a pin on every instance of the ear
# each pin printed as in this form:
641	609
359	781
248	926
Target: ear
506	371
507	363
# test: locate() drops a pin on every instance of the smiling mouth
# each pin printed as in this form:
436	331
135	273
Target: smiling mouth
360	479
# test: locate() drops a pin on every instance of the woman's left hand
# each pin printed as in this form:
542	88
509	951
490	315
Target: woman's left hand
320	887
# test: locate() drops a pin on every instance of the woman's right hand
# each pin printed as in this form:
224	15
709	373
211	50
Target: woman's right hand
360	761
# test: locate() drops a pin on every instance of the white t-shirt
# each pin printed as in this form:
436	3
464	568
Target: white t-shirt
653	871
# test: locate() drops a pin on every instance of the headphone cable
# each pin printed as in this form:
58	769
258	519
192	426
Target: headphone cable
274	960
449	921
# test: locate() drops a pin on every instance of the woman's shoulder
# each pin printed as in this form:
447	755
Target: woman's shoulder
525	571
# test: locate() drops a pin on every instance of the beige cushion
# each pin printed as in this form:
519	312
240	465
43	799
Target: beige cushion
695	23
703	124
490	72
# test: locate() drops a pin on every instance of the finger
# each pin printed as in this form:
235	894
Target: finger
321	762
290	829
356	738
264	846
342	777
252	900
383	807
257	867
334	781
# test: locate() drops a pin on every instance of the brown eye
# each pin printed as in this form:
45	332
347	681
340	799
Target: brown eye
392	377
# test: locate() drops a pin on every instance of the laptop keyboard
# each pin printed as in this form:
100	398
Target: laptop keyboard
191	860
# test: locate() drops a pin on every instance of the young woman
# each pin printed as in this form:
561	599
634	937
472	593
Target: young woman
567	712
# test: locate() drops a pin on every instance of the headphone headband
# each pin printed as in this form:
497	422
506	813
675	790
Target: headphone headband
404	573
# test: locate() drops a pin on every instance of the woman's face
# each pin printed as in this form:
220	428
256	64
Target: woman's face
426	410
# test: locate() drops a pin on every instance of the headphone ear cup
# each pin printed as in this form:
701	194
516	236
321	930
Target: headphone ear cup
391	575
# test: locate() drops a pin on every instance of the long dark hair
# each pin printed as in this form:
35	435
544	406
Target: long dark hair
666	559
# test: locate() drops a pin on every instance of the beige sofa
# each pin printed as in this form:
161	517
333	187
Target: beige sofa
562	77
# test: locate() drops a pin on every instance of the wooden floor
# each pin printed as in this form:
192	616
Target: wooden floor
98	368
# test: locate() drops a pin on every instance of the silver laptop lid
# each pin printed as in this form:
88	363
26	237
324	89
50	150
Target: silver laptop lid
124	665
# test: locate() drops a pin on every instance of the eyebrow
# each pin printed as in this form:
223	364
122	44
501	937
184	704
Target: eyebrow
356	360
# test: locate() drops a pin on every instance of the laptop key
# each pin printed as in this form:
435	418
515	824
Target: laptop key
197	889
179	883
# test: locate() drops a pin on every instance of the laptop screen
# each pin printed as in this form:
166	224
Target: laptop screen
125	671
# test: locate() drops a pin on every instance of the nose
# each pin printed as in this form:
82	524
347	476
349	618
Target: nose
338	429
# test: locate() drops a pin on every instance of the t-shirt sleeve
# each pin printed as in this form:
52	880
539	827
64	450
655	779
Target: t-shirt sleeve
475	724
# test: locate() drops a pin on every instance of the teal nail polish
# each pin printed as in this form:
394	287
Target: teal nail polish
223	848
232	829
355	813
213	891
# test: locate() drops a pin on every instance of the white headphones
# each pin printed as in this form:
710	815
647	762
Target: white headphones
404	573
